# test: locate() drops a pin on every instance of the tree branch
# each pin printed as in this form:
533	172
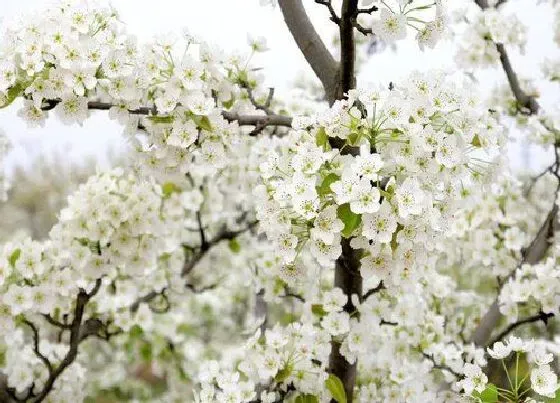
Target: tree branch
242	120
528	103
541	316
328	3
309	42
75	339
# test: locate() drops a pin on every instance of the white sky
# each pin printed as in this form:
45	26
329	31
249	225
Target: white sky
226	23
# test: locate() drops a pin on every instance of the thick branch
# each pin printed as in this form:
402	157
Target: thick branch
347	47
311	45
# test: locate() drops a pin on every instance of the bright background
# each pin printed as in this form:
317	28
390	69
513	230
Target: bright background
226	23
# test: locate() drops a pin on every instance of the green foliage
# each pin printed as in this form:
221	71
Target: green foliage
488	395
335	386
321	138
14	257
350	219
325	187
307	398
234	245
318	310
284	373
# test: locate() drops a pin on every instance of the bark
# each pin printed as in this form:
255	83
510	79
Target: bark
312	47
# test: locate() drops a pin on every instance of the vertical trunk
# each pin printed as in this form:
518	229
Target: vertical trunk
347	270
347	276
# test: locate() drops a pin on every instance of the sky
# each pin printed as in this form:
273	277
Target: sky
226	23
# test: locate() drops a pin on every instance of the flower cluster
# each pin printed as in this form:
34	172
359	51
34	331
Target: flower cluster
413	166
296	354
543	379
486	28
77	56
397	17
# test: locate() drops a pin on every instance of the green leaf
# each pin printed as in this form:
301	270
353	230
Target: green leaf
162	119
146	352
317	309
14	257
307	398
284	373
228	104
12	94
169	188
203	122
321	138
488	395
335	386
135	332
325	187
234	245
350	219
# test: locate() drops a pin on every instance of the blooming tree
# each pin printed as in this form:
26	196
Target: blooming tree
375	248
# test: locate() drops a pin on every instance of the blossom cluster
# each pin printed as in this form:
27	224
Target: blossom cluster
543	379
485	29
413	166
77	56
396	18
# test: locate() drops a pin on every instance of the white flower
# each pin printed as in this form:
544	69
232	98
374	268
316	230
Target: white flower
544	381
499	351
475	379
72	110
390	26
380	226
336	323
410	198
326	225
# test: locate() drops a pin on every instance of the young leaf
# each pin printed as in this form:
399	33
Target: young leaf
234	246
350	219
488	395
325	187
335	386
14	257
306	399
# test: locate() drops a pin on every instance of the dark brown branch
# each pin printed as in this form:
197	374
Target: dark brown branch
441	366
367	10
56	323
309	42
328	3
36	349
541	316
224	235
75	339
375	290
347	47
